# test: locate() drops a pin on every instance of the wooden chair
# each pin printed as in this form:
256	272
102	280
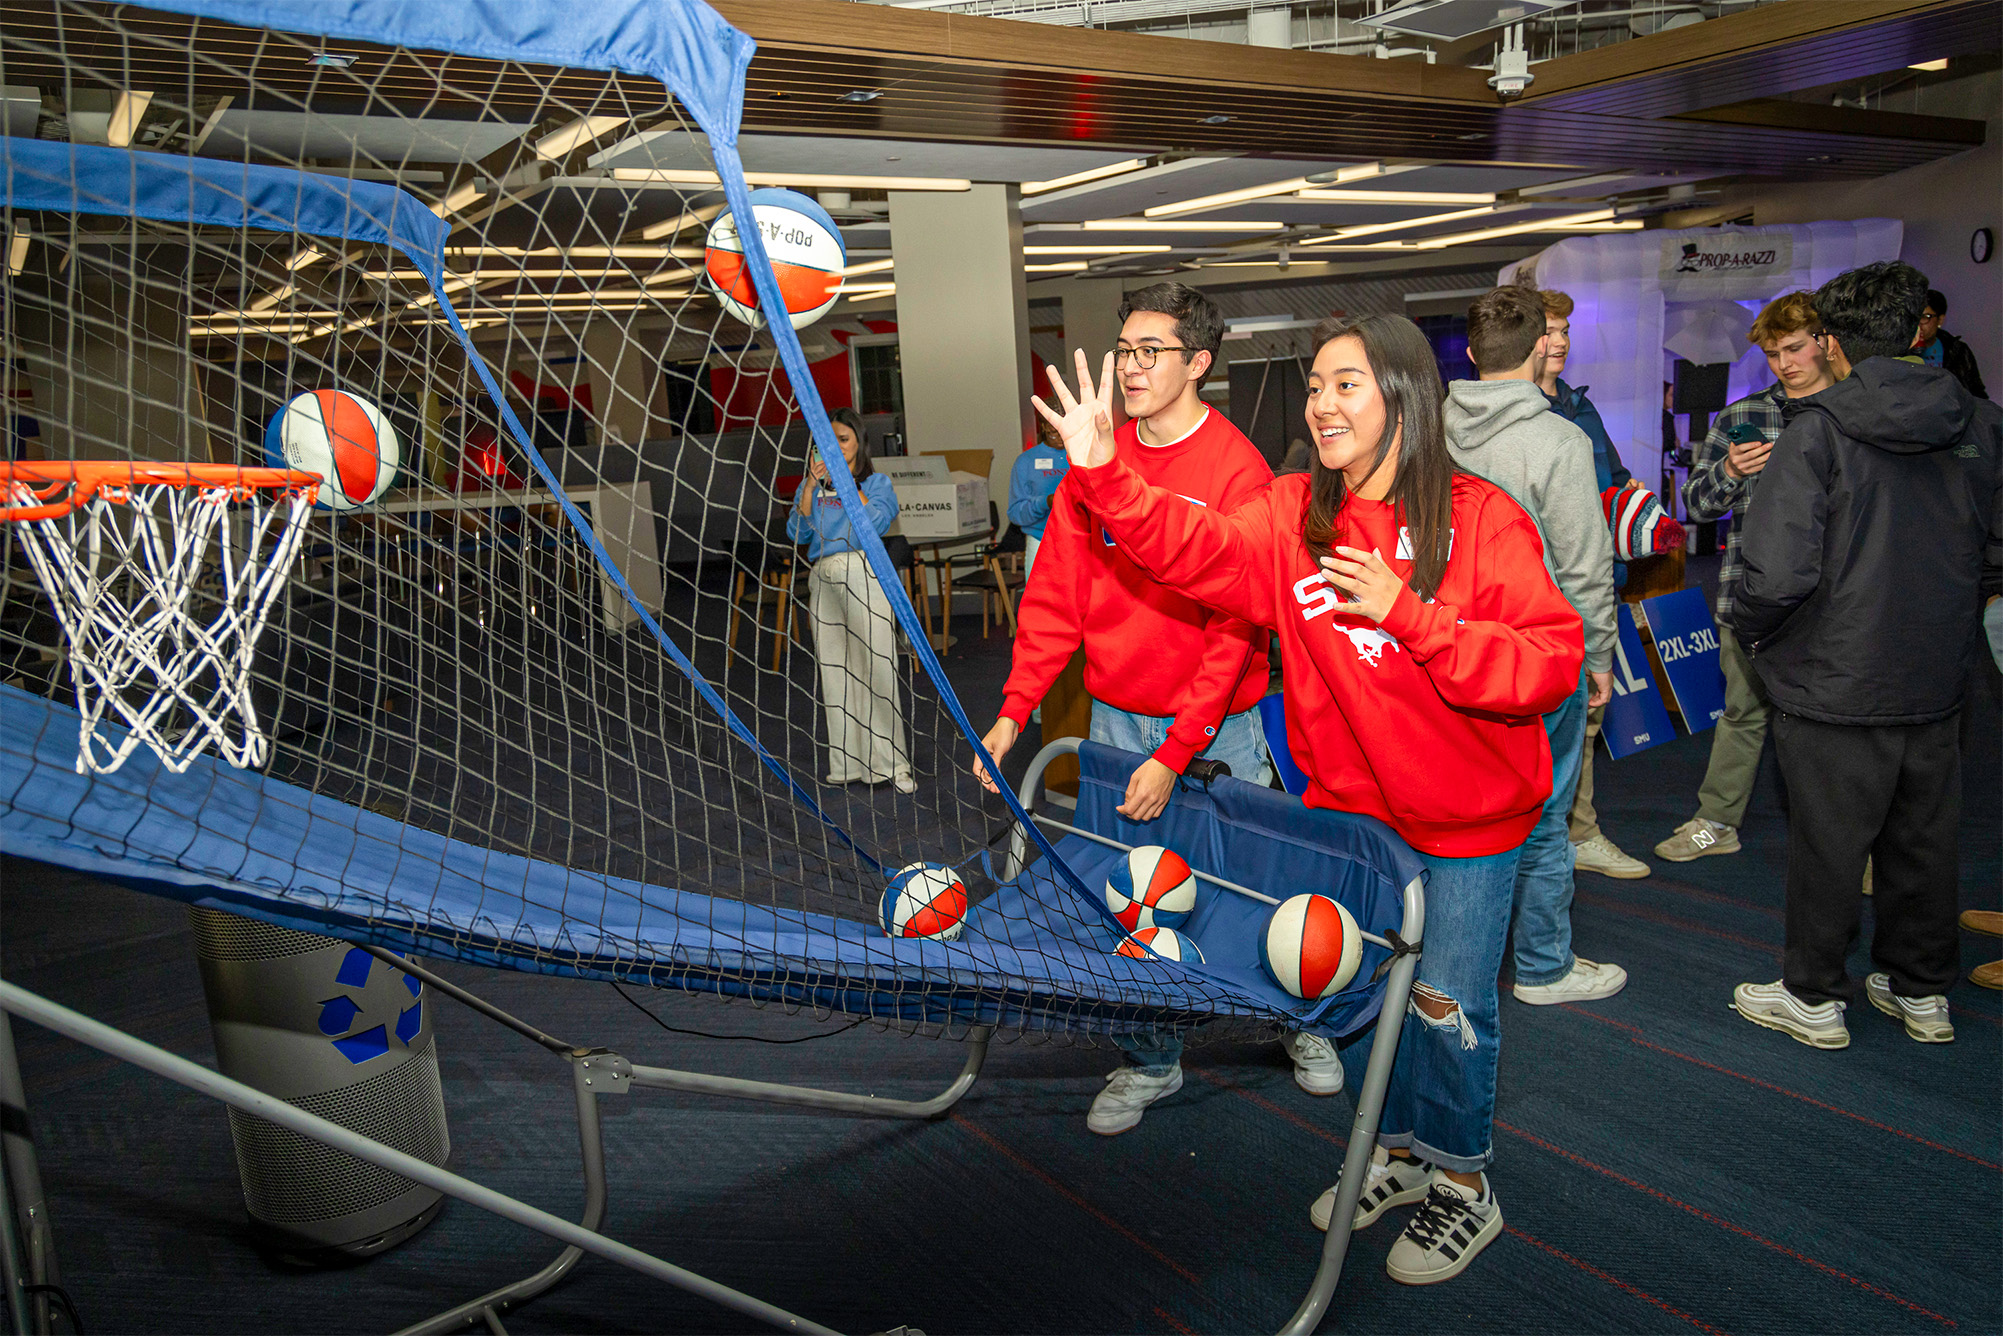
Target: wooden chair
1001	577
774	589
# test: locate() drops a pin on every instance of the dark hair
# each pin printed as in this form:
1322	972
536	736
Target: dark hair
1873	311
1198	322
1503	326
848	417
1408	375
1936	301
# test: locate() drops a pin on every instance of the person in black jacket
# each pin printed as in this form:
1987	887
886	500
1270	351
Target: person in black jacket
1937	347
1876	532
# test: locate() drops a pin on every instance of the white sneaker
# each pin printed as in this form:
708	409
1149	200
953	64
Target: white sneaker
1126	1097
1445	1233
1602	855
1393	1181
1925	1017
1819	1025
1697	838
1587	982
903	782
1317	1069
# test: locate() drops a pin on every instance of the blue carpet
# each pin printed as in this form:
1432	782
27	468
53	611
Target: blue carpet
1663	1165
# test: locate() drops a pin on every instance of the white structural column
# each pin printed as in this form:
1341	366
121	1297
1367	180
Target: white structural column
963	323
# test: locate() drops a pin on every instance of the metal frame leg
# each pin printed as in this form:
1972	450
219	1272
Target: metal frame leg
29	1241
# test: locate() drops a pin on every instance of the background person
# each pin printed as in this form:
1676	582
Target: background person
1937	347
1423	639
1592	849
1032	482
1502	428
1875	535
1169	679
1722	479
855	633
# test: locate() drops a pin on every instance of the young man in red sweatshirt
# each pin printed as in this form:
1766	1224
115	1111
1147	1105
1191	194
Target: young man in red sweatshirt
1169	679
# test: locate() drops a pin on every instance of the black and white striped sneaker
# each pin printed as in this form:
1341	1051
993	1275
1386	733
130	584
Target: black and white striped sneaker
1392	1182
1445	1233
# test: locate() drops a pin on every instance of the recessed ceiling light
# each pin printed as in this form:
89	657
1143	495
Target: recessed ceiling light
332	60
1216	120
1940	64
861	95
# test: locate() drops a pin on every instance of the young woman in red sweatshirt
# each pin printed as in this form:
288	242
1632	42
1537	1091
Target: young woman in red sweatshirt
1421	642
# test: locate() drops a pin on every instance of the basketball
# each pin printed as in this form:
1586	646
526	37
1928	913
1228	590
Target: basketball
804	246
1165	943
1311	946
924	900
342	438
1151	887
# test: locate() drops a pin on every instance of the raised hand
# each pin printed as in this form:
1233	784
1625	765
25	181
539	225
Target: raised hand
1086	420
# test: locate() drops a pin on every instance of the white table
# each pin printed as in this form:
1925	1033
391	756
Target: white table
621	514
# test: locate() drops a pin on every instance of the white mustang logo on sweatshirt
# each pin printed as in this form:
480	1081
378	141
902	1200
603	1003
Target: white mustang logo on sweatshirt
1370	642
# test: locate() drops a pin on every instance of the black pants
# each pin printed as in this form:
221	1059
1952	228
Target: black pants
1890	794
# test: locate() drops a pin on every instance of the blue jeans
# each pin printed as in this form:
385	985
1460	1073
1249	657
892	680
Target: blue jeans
1543	911
1441	1103
1241	744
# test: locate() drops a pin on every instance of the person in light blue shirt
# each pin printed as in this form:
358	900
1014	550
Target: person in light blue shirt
1031	484
855	633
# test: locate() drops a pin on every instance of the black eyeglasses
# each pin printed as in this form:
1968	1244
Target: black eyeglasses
1145	355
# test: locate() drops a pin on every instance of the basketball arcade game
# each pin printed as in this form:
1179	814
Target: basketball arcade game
1037	958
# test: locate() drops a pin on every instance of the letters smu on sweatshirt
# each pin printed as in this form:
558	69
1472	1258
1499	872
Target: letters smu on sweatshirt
1148	649
1430	721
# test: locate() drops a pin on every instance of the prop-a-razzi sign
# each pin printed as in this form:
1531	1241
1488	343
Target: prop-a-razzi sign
1724	264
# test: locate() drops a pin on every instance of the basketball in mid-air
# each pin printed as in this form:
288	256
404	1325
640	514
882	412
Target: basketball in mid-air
341	437
805	248
1311	946
924	900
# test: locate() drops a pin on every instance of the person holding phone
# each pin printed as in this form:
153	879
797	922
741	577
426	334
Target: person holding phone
1722	479
855	633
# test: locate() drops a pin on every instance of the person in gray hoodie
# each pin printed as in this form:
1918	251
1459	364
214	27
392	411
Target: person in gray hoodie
1502	428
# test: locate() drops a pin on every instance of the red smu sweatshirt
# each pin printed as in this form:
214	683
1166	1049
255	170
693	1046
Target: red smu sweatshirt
1430	721
1148	649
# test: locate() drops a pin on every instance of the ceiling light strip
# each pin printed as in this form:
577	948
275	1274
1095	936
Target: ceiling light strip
679	177
1356	172
1080	178
1534	225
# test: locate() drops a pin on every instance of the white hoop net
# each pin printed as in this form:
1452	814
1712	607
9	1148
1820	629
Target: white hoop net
161	599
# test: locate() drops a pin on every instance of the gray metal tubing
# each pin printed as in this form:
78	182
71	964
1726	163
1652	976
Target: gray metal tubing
1245	891
666	1078
479	1004
488	1306
13	1262
24	1178
1032	784
103	1037
1363	1132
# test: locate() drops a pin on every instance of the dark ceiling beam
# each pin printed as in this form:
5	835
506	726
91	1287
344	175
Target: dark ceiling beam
1001	44
1779	113
1769	50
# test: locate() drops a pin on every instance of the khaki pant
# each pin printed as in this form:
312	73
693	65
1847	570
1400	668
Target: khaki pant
1584	822
1736	740
855	639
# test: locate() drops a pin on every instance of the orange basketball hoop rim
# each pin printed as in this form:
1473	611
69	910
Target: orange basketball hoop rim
113	480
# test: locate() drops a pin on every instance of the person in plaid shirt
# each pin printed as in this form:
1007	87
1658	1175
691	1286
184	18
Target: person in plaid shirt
1722	478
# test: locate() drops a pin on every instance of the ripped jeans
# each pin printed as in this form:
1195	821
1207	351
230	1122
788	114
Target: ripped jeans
1441	1104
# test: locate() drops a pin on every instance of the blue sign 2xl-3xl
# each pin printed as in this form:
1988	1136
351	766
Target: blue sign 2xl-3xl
1687	641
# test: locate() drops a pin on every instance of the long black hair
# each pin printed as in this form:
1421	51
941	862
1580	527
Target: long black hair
848	417
1422	492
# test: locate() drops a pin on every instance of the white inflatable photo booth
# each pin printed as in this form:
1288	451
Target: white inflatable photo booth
1642	299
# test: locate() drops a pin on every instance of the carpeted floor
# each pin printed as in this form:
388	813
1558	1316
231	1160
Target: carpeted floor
1662	1164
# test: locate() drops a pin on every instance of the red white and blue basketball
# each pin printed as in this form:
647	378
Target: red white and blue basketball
805	248
1311	946
341	437
1166	943
924	900
1151	887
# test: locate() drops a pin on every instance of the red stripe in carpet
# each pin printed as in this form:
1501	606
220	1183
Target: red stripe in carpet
1008	1153
1614	1281
1169	1318
1723	1224
1634	1036
1670	920
1730	902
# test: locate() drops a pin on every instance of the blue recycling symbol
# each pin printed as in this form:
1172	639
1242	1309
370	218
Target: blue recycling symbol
339	1014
